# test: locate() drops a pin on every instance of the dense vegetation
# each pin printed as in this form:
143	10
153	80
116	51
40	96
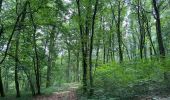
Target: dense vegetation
111	49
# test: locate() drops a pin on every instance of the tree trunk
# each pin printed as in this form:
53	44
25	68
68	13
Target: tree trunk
50	57
78	76
0	5
104	46
97	54
149	36
37	63
91	48
1	28
84	63
119	34
150	49
16	67
48	70
6	83
158	30
1	85
140	29
68	67
31	84
104	52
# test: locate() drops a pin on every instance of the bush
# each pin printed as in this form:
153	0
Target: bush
129	78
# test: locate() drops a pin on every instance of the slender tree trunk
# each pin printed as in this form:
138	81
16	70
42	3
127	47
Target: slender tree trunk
16	67
61	60
140	29
31	84
145	51
150	48
37	63
50	56
110	46
1	4
78	77
84	63
97	54
104	52
113	47
87	45
149	36
68	67
48	70
107	57
1	85
158	30
1	28
91	48
17	86
104	46
6	80
119	34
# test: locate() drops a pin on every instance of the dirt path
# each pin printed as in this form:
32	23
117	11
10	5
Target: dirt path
66	95
70	94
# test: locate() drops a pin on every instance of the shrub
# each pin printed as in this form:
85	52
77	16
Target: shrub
129	78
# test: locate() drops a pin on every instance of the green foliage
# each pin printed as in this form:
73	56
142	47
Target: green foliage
60	46
25	96
129	78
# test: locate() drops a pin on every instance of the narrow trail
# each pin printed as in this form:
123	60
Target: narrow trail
66	95
70	94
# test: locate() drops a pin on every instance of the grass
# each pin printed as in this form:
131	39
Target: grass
44	91
13	97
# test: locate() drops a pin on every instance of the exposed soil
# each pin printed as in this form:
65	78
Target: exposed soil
64	95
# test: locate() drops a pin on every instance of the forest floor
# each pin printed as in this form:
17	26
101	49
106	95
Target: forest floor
69	94
65	95
155	95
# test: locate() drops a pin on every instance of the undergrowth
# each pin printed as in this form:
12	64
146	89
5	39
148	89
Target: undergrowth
114	81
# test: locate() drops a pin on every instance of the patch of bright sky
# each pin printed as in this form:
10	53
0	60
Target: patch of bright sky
126	23
67	1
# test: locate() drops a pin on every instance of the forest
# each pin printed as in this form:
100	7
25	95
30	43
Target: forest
84	49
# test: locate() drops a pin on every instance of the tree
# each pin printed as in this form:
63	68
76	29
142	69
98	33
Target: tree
158	29
118	21
50	56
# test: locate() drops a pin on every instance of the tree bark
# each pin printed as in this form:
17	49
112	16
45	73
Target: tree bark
37	62
119	34
68	67
91	48
140	29
1	5
158	30
16	66
78	76
84	63
50	56
1	85
149	36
